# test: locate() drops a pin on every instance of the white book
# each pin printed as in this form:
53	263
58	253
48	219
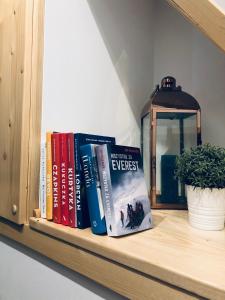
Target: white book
42	186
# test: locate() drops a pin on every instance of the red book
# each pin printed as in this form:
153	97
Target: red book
64	178
71	181
56	178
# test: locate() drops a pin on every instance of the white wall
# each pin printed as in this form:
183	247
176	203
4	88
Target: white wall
98	72
97	75
183	52
97	66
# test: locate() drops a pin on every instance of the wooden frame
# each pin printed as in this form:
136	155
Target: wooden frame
15	70
138	266
20	99
35	107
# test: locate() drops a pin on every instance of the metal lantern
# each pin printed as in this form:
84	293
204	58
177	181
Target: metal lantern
170	124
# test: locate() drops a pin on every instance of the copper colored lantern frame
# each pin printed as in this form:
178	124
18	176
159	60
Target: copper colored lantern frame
168	98
153	129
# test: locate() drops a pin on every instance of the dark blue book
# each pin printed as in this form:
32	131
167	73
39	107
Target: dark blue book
80	139
93	189
124	192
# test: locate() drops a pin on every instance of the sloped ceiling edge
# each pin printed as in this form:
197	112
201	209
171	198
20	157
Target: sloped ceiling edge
206	16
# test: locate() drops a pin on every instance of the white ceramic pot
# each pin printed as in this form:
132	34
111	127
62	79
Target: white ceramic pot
206	208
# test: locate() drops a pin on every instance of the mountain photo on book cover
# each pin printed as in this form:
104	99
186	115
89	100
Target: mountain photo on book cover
131	203
124	191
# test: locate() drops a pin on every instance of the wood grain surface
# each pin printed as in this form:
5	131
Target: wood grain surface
15	76
172	251
21	55
93	259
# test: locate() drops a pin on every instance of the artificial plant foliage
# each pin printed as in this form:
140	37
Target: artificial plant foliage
203	166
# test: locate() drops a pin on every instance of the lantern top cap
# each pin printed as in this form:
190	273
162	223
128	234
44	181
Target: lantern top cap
168	82
171	96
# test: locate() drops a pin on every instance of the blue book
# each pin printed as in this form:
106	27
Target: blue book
93	190
80	139
124	191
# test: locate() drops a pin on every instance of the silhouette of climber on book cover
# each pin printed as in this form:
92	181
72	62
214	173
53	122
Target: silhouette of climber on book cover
122	218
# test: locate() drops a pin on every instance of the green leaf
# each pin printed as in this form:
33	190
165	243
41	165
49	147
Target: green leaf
203	166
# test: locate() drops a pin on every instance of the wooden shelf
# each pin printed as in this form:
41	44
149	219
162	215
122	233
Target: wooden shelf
172	251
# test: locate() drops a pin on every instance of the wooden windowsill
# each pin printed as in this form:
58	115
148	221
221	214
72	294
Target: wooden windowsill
171	257
172	251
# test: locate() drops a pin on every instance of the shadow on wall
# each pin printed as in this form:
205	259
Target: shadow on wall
126	28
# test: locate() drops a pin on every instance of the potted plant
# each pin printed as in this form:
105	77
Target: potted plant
202	170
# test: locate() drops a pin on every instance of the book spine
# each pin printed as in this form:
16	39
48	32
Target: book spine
42	188
106	187
56	178
83	220
64	178
93	191
49	197
71	181
77	183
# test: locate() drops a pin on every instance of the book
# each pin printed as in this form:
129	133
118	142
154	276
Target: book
71	181
49	198
56	181
80	139
42	186
64	178
93	190
124	192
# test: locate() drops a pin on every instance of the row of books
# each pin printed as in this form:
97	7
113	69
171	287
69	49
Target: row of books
87	180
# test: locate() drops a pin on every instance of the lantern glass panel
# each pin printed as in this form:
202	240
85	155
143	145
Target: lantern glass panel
176	131
146	148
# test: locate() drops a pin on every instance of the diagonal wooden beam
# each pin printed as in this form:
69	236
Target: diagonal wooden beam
205	15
